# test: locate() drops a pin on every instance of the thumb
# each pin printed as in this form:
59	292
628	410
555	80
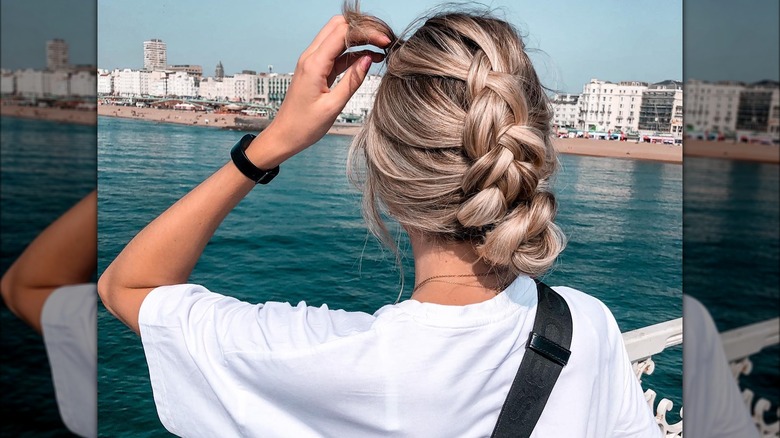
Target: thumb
351	80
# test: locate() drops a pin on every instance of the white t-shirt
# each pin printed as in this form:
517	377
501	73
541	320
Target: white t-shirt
223	367
69	321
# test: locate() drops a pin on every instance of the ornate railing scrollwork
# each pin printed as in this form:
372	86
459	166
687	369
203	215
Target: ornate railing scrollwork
741	343
641	345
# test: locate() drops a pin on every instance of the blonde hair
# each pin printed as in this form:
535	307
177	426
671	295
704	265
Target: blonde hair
457	146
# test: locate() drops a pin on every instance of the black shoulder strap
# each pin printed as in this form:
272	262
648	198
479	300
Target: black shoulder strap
547	352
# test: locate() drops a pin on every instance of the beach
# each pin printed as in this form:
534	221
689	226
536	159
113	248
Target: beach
619	149
61	115
730	150
574	146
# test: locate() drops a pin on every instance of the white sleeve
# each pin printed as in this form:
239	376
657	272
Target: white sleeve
69	323
635	418
714	406
188	333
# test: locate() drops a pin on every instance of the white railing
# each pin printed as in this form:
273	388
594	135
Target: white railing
641	345
739	344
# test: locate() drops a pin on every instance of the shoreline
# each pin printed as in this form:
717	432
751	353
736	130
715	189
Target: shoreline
572	146
626	150
729	150
57	115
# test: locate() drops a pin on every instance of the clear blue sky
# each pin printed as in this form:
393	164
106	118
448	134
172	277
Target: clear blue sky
729	39
613	40
26	25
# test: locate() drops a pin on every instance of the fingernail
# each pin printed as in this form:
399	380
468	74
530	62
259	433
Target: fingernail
365	62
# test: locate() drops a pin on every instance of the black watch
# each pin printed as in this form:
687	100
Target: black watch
237	154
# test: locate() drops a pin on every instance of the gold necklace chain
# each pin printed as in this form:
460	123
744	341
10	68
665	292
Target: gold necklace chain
437	277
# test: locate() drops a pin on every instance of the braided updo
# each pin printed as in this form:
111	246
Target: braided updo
457	146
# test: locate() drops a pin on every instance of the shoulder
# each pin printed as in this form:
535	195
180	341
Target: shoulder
591	318
585	306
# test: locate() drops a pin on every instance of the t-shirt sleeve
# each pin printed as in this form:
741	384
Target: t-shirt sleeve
69	322
189	333
635	418
714	406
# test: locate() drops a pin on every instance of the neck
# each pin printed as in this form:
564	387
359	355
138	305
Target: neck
466	279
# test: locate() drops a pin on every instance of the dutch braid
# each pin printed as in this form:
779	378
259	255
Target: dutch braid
457	145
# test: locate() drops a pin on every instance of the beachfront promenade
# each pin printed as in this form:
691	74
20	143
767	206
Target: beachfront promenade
575	146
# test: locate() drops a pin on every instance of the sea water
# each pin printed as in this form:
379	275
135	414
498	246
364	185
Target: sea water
301	238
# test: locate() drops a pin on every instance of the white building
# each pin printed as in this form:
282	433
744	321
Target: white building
7	82
30	83
56	83
362	101
712	106
609	106
56	54
266	88
129	83
566	110
212	89
158	83
155	55
244	87
773	125
181	84
277	87
238	88
105	82
83	83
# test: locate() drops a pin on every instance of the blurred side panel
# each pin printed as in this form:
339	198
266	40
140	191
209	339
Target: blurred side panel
48	217
731	240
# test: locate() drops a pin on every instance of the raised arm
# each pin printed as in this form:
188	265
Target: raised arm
64	253
165	252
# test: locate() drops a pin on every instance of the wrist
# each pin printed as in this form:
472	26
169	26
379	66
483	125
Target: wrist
266	151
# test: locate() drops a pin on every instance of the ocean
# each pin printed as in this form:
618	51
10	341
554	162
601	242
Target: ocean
302	238
46	168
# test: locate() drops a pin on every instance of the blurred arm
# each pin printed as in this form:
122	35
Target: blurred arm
65	253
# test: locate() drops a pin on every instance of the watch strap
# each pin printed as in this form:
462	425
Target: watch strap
245	166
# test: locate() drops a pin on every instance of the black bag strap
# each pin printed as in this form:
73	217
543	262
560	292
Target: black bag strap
547	352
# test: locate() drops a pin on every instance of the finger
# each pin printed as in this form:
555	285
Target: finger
335	43
344	61
351	81
335	21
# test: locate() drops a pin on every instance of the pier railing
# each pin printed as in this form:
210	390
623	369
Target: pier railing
642	344
739	344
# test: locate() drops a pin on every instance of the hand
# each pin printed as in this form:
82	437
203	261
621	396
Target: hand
310	106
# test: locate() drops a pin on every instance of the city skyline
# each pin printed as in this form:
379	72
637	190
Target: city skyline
565	60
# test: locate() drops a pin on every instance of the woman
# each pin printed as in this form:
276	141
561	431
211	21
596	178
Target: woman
457	150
